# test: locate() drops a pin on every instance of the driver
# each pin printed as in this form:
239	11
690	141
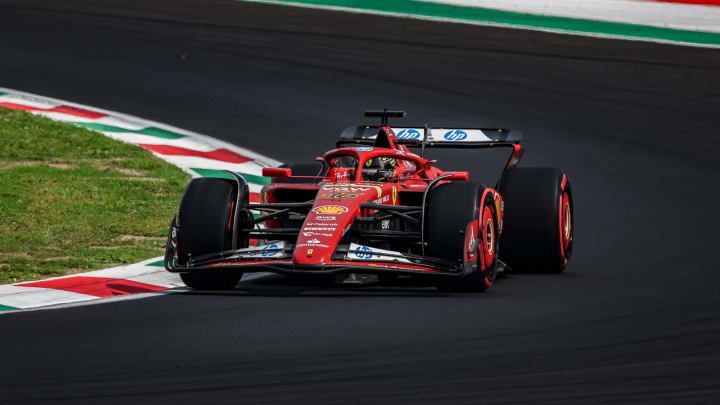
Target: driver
380	169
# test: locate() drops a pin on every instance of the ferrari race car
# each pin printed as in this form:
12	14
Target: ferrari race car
372	208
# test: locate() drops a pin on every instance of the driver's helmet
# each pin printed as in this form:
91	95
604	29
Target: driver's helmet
381	168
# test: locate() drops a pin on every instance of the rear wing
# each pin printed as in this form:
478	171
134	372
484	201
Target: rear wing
441	138
437	137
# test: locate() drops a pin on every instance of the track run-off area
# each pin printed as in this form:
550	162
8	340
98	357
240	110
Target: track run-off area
635	318
687	22
196	154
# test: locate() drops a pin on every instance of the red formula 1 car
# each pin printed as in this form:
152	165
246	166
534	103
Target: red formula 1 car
375	209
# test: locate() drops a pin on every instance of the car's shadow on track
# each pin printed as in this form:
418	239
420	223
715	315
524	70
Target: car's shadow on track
283	286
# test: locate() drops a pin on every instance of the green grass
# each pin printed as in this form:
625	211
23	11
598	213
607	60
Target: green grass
73	200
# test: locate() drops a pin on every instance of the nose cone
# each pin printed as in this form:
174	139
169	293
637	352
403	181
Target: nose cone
335	208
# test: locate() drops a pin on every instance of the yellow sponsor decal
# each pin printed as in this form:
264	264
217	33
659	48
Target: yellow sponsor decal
330	209
394	195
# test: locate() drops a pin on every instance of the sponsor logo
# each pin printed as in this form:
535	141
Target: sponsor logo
309	234
313	241
367	253
319	228
394	195
339	195
330	209
455	135
352	188
313	244
325	218
363	252
349	188
409	134
364	148
320	223
270	251
500	210
382	200
385	224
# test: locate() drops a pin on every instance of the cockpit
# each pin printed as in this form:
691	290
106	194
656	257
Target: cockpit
378	169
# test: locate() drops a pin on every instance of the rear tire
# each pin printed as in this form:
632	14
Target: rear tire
204	221
453	209
538	224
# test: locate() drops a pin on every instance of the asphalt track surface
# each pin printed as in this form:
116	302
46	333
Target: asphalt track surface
635	318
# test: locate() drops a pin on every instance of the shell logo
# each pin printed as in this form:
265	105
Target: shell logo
330	209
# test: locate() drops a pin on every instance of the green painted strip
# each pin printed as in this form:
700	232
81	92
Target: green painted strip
2	93
497	17
5	307
159	263
251	178
160	133
151	131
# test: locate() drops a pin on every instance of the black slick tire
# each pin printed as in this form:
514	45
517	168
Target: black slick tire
538	224
204	219
451	209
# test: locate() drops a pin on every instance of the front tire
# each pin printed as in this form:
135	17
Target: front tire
462	226
205	226
538	224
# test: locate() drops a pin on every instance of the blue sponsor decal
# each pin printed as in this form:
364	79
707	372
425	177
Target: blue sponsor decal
364	148
409	134
270	250
363	252
455	135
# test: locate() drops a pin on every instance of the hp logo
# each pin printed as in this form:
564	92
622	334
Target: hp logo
409	134
269	250
455	135
363	252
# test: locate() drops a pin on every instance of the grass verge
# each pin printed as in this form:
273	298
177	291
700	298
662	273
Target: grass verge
73	200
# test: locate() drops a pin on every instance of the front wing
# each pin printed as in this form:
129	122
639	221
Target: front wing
276	258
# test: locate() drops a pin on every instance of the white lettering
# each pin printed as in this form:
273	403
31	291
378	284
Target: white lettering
382	200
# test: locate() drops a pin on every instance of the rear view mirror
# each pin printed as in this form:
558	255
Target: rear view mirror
457	176
276	172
